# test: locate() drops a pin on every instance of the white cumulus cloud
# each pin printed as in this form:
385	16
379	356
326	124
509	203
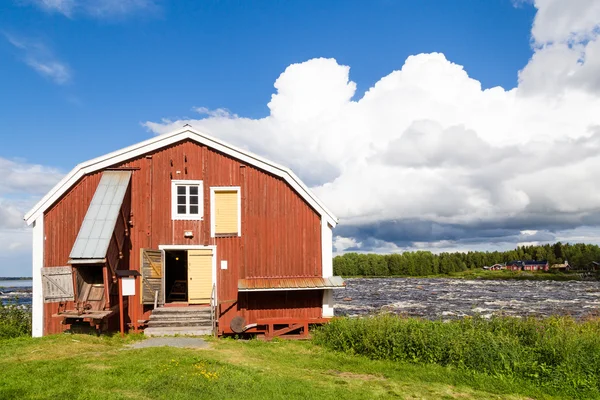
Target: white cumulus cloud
428	156
21	186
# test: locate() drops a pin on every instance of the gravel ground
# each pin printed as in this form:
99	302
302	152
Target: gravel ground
188	342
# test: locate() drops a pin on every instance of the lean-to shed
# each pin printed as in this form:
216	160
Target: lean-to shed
209	227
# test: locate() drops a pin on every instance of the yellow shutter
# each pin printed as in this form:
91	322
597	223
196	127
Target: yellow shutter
199	276
226	212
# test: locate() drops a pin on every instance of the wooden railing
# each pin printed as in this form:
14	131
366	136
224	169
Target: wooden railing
213	309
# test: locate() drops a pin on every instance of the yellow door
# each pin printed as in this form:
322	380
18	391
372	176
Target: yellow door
199	276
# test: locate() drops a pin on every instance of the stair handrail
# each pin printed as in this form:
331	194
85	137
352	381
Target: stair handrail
213	308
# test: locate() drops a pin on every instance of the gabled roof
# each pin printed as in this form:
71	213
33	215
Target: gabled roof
167	139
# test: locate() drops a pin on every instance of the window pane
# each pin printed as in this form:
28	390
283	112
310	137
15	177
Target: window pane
181	200
193	199
193	189
180	189
180	209
193	209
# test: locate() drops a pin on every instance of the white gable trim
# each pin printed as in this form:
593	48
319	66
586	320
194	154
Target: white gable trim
165	140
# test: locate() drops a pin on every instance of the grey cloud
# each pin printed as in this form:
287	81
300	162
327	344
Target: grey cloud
428	144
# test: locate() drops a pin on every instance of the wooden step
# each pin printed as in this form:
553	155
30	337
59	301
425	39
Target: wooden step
180	331
192	322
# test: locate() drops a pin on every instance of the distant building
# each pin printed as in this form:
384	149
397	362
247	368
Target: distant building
531	265
593	266
527	265
515	265
561	267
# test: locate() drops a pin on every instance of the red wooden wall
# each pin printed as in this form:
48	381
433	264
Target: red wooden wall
281	233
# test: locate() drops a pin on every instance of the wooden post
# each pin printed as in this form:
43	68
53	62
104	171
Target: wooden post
133	310
121	311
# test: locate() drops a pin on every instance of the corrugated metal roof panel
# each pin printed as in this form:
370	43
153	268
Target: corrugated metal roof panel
99	222
268	284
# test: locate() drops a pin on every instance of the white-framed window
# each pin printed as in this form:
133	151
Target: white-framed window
225	211
187	200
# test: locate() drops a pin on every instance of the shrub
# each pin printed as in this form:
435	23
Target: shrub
558	352
15	320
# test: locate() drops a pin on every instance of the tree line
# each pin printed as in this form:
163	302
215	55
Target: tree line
422	263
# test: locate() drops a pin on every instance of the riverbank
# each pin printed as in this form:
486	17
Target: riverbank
499	275
80	366
14	278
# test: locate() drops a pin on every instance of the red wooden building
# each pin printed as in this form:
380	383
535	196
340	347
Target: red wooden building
203	222
528	265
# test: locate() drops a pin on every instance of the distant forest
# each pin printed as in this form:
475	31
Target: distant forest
422	263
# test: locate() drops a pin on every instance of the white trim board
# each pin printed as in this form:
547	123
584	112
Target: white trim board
167	139
214	189
37	297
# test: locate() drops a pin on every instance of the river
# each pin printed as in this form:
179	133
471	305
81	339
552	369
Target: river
453	298
437	297
16	290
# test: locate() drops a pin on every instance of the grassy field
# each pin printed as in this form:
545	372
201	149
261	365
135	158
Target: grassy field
88	367
559	354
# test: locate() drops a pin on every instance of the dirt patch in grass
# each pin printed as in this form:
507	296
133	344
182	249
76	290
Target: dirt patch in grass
352	375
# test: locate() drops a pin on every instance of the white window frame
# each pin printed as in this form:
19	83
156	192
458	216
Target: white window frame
215	189
188	217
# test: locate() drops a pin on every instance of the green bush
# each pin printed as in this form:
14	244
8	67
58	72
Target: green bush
15	321
558	352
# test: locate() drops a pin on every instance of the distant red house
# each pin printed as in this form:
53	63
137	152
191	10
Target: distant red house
527	265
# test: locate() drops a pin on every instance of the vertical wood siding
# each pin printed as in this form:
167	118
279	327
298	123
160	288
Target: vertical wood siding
281	234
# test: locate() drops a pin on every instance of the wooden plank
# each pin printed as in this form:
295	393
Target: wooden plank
279	332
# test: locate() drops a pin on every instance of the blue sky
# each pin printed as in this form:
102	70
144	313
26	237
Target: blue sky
160	61
439	125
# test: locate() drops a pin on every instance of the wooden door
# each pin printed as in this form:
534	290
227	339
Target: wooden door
199	276
57	284
152	276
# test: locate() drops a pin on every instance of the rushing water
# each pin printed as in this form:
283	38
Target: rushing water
452	298
16	290
437	298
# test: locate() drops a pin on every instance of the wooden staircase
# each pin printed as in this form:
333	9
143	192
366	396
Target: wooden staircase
188	321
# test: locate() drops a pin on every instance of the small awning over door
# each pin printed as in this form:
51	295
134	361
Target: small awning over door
272	284
99	223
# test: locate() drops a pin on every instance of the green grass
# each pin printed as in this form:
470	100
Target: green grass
15	321
559	355
88	367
